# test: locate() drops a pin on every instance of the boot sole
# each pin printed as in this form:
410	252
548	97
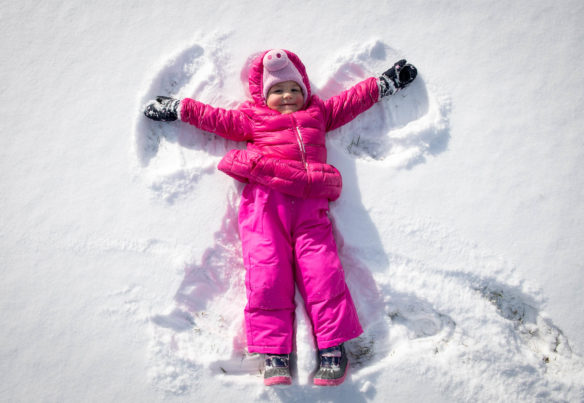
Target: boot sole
278	380
332	382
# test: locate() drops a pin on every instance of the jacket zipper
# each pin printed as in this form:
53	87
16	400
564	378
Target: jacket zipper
303	155
300	141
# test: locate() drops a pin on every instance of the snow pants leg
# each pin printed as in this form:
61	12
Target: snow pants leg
288	240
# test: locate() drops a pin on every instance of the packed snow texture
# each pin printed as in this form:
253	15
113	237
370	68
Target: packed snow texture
459	226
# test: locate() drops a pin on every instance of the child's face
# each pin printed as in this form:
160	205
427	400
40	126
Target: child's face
285	97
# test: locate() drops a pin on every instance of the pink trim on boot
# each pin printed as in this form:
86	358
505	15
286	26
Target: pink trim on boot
332	382
278	380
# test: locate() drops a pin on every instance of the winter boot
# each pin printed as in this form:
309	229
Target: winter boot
333	366
277	370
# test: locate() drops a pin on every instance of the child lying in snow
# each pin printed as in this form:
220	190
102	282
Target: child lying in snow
285	231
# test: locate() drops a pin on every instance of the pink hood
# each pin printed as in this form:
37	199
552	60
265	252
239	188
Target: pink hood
256	79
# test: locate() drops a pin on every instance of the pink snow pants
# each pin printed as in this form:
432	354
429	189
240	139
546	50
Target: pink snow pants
288	240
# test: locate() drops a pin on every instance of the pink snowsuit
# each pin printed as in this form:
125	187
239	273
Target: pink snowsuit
285	231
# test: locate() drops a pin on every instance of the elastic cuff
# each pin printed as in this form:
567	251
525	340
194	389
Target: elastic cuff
178	108
386	86
379	87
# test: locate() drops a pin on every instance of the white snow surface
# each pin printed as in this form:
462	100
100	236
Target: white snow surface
460	225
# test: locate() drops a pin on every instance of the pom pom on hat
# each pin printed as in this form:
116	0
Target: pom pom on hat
277	69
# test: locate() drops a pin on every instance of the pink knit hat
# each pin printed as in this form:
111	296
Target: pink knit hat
277	69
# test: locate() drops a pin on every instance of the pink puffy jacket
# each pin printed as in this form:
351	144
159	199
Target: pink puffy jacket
285	152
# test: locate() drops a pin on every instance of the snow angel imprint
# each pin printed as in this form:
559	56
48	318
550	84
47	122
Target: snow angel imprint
285	230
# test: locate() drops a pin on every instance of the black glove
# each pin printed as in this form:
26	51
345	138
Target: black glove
396	78
164	109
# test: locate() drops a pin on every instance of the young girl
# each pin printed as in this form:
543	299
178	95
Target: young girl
285	231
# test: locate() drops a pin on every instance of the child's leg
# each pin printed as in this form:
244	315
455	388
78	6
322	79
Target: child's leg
267	255
321	279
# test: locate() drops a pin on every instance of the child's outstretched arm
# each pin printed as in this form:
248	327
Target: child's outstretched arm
228	123
347	105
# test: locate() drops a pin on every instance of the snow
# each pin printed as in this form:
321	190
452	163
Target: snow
459	226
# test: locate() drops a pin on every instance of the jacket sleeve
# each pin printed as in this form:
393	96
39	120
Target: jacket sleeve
229	123
347	105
